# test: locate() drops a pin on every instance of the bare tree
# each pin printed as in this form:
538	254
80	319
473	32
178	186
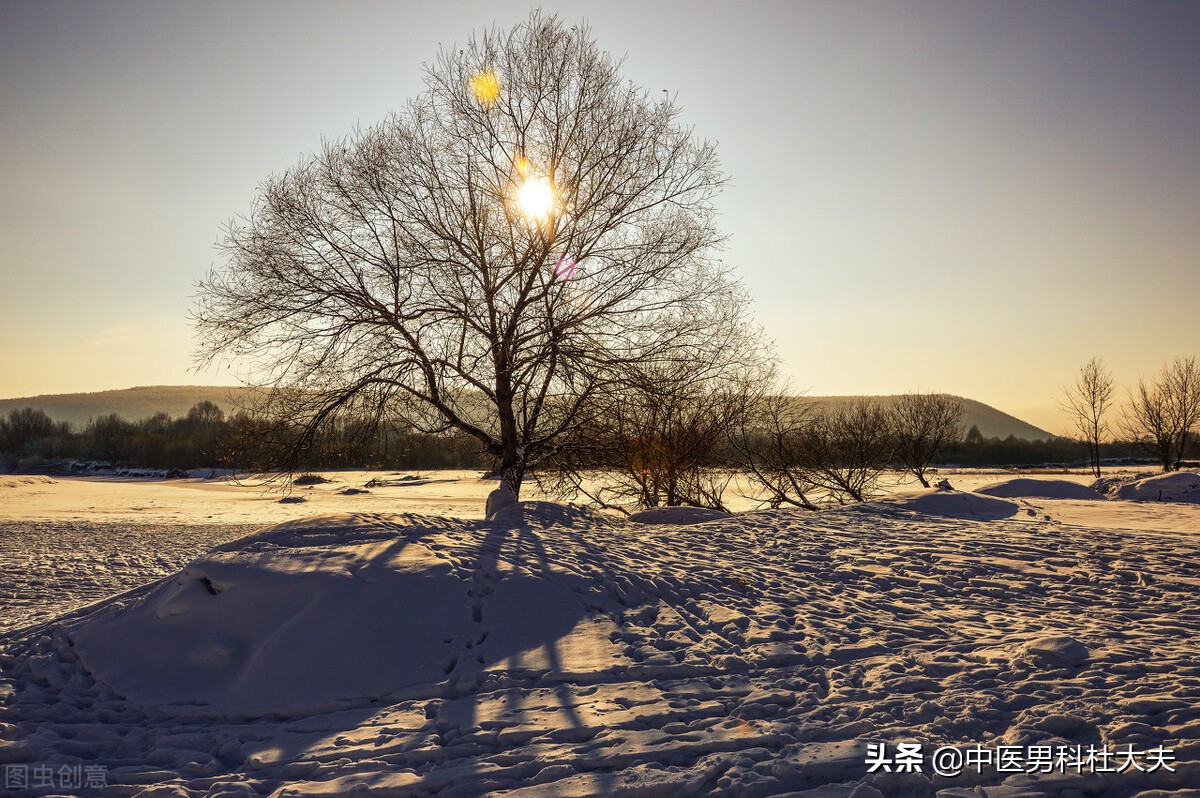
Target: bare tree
663	438
846	449
1163	415
491	259
1087	400
1148	422
839	451
1182	379
768	443
924	426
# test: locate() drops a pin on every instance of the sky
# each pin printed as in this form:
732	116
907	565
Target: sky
974	198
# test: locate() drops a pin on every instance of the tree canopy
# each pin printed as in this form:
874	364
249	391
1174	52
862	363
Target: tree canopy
492	258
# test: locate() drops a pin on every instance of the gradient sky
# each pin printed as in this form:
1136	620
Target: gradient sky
966	197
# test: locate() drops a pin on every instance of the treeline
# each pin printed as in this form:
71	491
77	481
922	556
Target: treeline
206	438
976	450
691	443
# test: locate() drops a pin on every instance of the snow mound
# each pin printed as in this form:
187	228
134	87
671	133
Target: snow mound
1024	487
1180	486
333	530
953	504
1057	650
681	516
335	612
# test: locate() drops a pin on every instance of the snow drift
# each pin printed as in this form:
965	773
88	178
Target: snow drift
1026	488
682	516
1180	486
334	611
950	504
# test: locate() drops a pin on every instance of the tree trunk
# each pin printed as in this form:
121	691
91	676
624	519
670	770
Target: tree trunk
512	454
1180	446
512	474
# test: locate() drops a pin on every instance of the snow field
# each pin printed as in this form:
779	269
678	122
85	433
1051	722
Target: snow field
52	567
553	651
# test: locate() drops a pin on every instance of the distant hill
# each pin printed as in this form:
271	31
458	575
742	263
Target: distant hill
992	423
175	400
130	403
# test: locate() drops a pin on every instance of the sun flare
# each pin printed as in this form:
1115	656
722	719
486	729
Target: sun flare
535	198
521	165
486	87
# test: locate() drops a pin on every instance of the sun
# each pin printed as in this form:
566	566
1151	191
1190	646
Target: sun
535	198
486	87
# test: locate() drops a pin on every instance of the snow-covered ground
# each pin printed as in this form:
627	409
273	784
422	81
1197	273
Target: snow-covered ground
220	501
377	649
459	494
50	567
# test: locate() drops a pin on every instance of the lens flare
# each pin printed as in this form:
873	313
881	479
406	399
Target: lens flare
486	87
565	267
535	198
521	165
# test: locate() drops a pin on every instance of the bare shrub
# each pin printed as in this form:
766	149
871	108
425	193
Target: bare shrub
924	426
1163	415
795	451
768	442
663	438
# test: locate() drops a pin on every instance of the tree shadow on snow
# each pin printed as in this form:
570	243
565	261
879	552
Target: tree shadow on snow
488	615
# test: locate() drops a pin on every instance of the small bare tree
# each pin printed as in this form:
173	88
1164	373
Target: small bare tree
799	452
1183	384
768	443
924	426
1148	423
491	259
847	448
662	439
1163	415
1087	400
